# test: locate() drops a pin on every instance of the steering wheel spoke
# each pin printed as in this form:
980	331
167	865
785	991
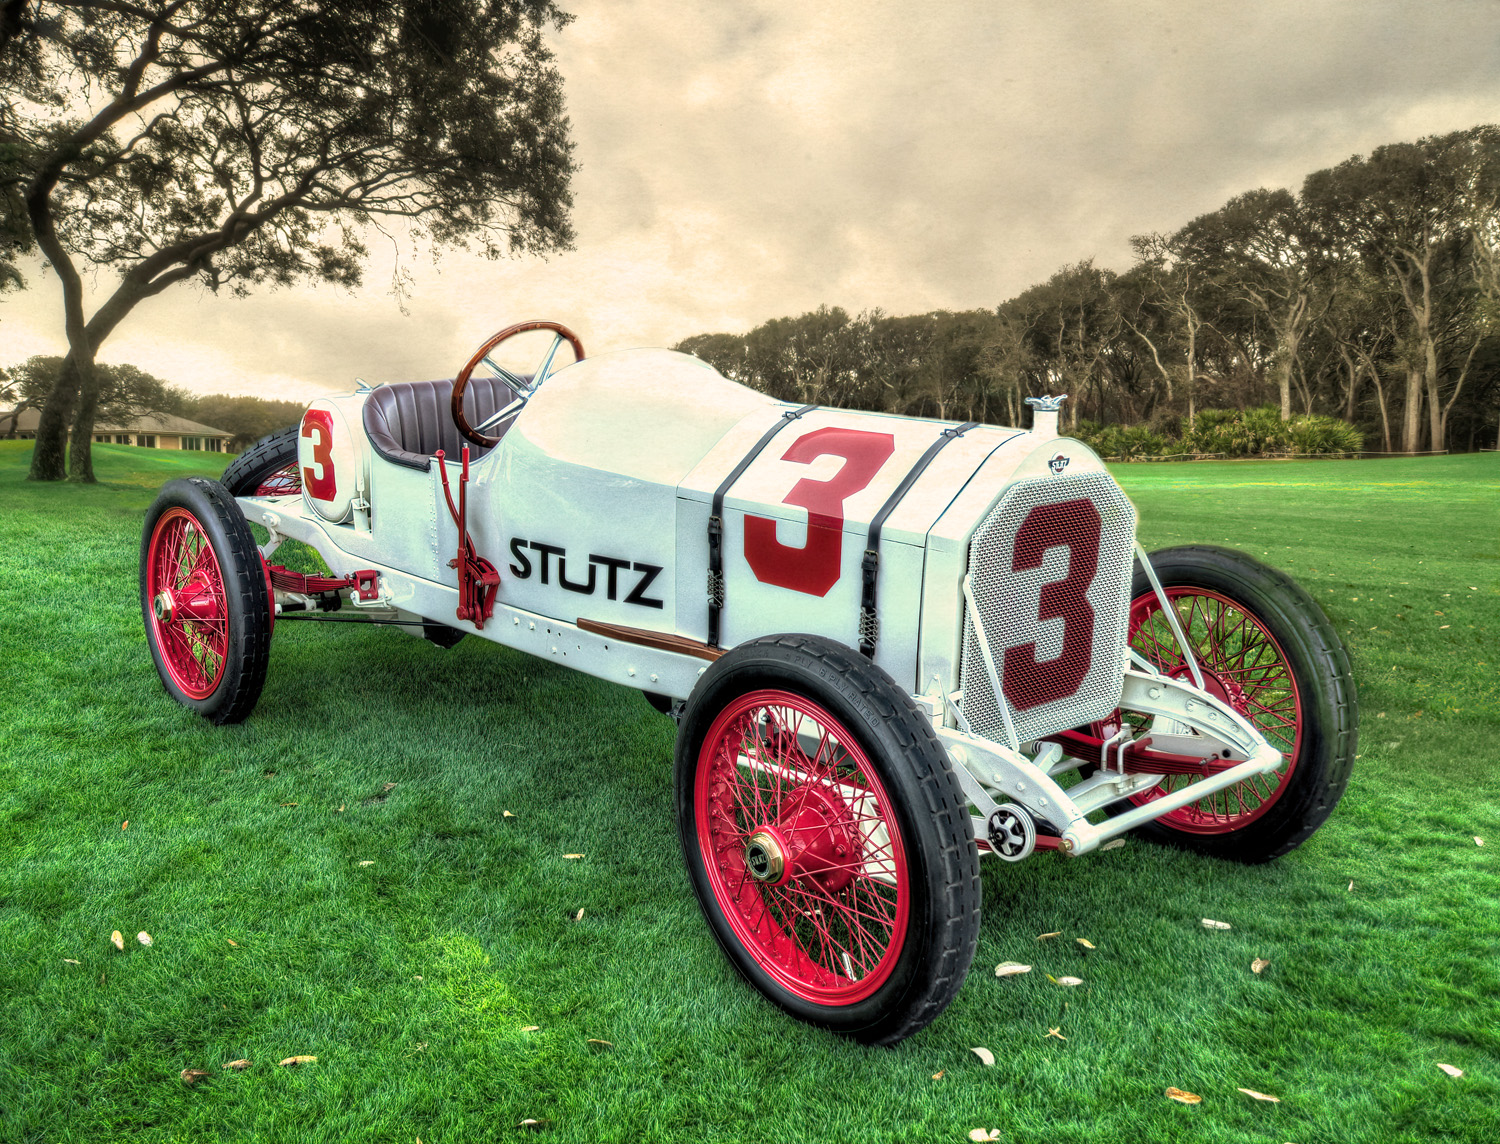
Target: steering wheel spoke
524	388
500	415
515	381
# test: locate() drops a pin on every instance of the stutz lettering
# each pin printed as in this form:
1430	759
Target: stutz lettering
518	550
614	583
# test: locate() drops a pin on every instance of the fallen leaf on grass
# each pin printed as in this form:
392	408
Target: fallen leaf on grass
530	1028
125	825
192	1076
143	937
289	804
1450	1070
506	814
1250	1092
1112	844
1057	1032
1069	980
117	939
1047	936
986	1057
71	961
603	1044
238	1066
1086	943
1209	923
1351	886
1258	964
939	1074
340	810
1478	841
572	855
232	942
980	1135
303	1059
1179	1095
529	1122
1011	969
578	917
368	862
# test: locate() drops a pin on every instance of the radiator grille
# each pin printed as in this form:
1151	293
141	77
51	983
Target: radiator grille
1050	569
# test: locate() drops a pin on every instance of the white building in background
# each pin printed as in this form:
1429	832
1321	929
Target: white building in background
163	432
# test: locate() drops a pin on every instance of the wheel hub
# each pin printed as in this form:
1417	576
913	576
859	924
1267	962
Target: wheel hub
1226	690
813	837
162	607
764	857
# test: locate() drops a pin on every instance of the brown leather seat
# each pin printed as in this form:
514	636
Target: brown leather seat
410	421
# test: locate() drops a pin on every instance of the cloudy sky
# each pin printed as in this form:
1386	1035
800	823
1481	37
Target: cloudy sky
748	160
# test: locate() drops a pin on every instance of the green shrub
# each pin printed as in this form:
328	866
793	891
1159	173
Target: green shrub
1315	435
1253	432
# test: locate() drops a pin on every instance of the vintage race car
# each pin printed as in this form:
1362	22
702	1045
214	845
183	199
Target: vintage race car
892	645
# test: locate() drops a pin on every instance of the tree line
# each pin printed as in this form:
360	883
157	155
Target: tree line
1370	296
127	393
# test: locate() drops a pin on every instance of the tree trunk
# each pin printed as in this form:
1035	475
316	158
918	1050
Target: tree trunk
1411	430
1385	418
49	455
1437	430
1284	384
81	445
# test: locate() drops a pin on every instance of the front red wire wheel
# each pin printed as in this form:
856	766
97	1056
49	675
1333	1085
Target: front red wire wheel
826	837
1265	648
1242	665
803	855
205	600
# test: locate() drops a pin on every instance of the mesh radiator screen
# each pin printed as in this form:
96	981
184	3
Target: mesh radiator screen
1050	570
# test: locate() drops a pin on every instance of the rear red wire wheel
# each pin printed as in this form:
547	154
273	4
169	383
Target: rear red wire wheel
205	600
267	468
1266	649
189	617
826	837
804	857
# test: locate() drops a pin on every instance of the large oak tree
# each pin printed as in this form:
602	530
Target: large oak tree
249	142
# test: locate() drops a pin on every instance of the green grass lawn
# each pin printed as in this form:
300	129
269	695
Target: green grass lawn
338	877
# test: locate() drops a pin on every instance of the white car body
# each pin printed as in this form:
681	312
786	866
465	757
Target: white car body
594	508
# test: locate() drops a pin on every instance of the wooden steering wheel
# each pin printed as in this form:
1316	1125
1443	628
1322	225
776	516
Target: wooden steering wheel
521	385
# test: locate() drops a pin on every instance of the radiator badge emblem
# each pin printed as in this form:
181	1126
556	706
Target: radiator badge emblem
1058	464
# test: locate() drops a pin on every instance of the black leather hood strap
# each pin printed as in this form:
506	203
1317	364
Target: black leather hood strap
716	521
869	624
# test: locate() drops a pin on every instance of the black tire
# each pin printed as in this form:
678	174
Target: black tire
441	635
899	810
267	468
1297	687
205	600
